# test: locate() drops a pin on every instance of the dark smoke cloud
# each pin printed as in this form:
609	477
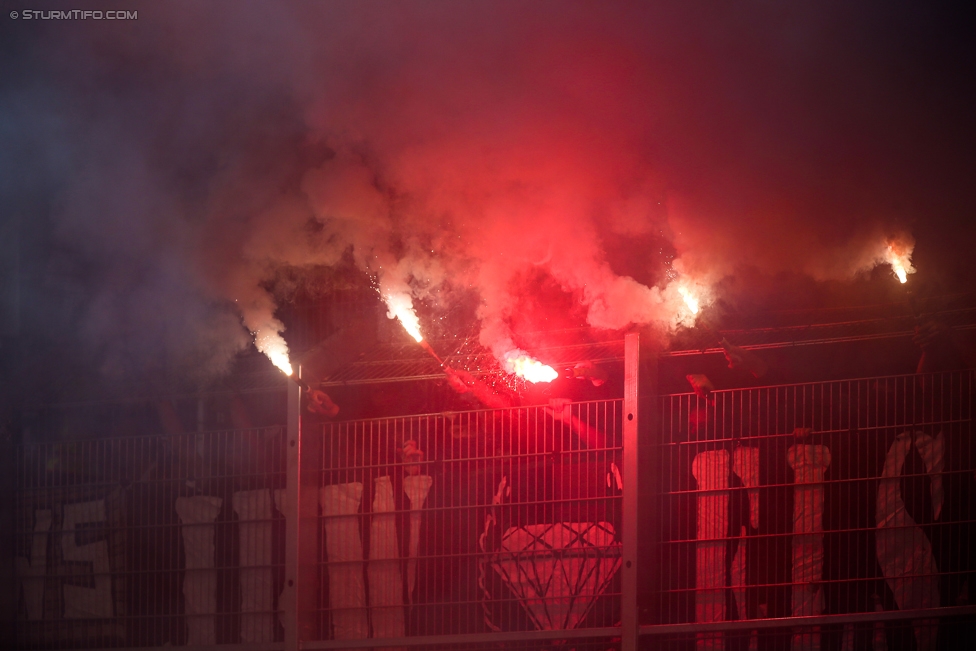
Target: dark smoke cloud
171	165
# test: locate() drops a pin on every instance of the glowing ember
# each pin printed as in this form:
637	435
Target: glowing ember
274	346
400	306
901	263
529	369
690	299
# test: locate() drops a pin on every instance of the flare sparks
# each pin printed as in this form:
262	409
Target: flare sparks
274	346
690	300
529	369
400	307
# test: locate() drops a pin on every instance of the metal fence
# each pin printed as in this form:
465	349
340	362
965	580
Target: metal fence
847	504
471	523
836	515
150	541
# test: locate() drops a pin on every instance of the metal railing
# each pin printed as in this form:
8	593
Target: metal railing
150	541
843	505
471	524
827	515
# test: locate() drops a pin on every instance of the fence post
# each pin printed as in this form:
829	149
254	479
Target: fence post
630	623
288	604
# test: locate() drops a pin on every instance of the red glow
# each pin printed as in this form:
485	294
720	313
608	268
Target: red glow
529	369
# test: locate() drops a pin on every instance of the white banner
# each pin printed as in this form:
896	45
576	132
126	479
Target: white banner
711	470
809	463
197	516
253	509
344	551
383	570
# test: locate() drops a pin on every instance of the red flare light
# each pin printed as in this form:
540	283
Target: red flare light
901	263
273	345
529	369
400	307
690	300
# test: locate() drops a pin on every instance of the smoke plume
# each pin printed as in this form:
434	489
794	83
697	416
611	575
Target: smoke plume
181	160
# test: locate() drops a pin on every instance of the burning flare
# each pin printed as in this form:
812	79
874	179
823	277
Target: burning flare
274	346
400	306
690	300
900	261
525	367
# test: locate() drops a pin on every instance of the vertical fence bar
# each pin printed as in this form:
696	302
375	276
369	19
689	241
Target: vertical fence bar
288	604
648	500
628	618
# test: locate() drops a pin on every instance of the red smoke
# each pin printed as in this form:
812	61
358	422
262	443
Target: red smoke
482	156
607	149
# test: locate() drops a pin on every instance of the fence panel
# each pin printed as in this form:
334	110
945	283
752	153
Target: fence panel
817	501
472	526
834	515
150	541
